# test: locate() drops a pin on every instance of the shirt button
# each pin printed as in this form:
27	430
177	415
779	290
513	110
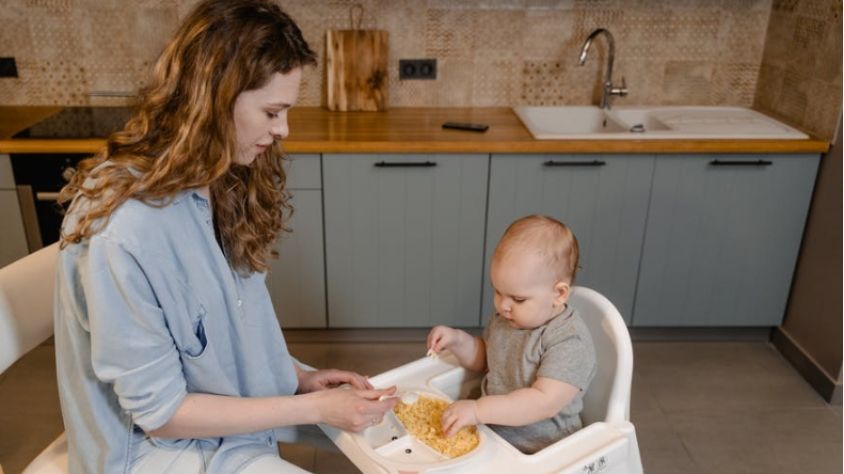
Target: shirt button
239	303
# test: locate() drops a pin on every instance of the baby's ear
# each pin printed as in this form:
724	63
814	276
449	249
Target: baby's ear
562	289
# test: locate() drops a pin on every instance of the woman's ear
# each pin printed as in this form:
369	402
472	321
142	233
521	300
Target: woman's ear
562	290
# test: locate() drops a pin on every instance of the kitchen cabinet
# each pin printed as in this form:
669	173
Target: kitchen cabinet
296	280
602	198
723	234
13	243
404	238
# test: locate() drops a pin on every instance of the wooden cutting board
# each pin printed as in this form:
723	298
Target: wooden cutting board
356	69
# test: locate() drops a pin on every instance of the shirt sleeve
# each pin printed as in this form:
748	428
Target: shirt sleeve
568	356
131	346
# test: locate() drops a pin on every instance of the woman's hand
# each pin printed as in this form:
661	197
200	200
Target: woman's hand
442	337
459	414
316	380
354	410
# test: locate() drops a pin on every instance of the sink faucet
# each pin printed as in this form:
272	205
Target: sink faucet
608	89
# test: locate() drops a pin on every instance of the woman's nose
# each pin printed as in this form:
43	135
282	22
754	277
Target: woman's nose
280	130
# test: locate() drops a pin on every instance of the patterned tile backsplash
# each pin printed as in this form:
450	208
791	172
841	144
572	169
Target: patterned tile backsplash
799	80
777	55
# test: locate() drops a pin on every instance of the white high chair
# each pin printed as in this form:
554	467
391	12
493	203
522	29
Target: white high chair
26	320
607	444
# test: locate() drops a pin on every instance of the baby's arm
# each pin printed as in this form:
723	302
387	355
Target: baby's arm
469	350
542	400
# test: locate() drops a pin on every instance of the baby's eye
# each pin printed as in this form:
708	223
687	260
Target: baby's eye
519	300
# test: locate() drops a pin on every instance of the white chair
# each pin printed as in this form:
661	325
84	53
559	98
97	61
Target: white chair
26	320
608	397
607	443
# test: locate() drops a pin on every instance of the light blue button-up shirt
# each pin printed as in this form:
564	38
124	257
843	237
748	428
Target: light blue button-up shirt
149	310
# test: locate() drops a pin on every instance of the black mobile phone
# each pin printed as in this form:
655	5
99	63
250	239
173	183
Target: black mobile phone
472	127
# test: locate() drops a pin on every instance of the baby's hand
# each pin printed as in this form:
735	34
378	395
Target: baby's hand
459	414
441	337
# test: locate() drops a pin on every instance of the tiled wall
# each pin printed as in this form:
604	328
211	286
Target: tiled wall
800	78
489	52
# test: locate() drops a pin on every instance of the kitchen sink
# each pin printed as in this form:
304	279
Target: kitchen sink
550	123
652	123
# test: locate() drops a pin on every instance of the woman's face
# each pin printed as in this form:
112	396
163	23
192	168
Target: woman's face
260	115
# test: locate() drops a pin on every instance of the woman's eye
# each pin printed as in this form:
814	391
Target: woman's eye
272	115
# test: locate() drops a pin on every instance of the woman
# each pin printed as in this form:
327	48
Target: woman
169	355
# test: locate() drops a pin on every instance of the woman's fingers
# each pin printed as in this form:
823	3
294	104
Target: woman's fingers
358	381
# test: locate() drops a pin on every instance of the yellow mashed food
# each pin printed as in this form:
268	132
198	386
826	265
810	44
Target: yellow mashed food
423	420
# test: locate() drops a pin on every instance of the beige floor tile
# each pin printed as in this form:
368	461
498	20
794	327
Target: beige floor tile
715	376
642	401
764	442
30	417
661	449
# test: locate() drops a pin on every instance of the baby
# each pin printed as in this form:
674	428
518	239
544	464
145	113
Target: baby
536	351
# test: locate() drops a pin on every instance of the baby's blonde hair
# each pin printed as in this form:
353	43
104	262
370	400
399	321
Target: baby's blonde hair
552	240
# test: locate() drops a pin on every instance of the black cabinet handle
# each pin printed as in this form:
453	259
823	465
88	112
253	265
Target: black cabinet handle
740	163
574	163
405	164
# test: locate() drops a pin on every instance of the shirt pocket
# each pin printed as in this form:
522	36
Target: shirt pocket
192	338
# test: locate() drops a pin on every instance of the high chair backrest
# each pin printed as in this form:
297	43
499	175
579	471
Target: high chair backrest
26	304
26	320
608	396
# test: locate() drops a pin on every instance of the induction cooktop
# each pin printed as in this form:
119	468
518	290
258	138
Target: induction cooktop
80	122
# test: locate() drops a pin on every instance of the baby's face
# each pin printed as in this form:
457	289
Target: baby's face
526	292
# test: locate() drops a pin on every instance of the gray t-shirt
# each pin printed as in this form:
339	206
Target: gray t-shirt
561	349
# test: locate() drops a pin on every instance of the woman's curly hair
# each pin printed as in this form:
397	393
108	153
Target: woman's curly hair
182	134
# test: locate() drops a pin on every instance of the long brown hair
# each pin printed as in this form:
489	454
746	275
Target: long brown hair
182	133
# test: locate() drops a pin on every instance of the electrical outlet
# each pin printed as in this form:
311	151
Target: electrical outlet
8	68
417	69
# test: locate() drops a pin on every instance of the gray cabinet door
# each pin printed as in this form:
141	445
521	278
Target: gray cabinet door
722	239
404	245
13	244
296	280
12	236
602	198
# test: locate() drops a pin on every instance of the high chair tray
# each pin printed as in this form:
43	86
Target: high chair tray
386	448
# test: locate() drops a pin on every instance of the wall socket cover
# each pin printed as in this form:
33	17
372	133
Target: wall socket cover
417	69
8	68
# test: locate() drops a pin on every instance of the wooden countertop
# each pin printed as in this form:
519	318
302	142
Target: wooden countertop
416	130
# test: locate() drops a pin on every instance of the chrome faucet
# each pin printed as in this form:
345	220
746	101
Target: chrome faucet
608	89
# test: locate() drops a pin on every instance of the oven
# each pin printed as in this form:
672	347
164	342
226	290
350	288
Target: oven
40	176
